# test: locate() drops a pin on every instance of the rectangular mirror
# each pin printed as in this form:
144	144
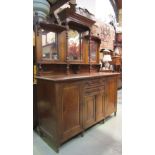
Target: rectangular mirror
49	45
93	50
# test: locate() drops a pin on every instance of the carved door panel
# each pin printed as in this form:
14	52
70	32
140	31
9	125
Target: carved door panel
100	106
89	111
111	96
71	110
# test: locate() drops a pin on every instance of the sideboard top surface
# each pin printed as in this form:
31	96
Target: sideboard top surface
57	78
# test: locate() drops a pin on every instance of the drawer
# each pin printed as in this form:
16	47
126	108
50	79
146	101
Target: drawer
94	83
94	90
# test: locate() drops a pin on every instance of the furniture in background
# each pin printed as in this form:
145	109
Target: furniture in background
117	58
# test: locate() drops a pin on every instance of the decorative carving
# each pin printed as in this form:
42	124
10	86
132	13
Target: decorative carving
84	12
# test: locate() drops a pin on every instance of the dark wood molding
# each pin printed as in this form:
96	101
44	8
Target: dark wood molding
75	19
52	27
119	4
92	37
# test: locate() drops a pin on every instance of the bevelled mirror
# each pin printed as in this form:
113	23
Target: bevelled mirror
93	51
49	45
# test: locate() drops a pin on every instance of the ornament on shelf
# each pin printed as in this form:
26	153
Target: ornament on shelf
41	9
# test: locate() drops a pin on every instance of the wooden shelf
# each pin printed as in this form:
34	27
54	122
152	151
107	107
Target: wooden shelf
52	27
76	20
57	62
107	71
92	64
65	63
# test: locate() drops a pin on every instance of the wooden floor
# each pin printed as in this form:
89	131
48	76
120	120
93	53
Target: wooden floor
101	139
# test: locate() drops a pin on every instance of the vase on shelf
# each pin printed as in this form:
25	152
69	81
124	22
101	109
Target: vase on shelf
52	1
41	8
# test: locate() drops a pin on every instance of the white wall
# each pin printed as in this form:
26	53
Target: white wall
88	4
100	8
103	10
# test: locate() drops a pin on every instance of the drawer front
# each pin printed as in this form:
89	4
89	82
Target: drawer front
94	86
93	83
94	90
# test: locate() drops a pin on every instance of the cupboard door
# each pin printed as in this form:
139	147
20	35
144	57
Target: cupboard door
100	106
111	96
71	111
89	111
